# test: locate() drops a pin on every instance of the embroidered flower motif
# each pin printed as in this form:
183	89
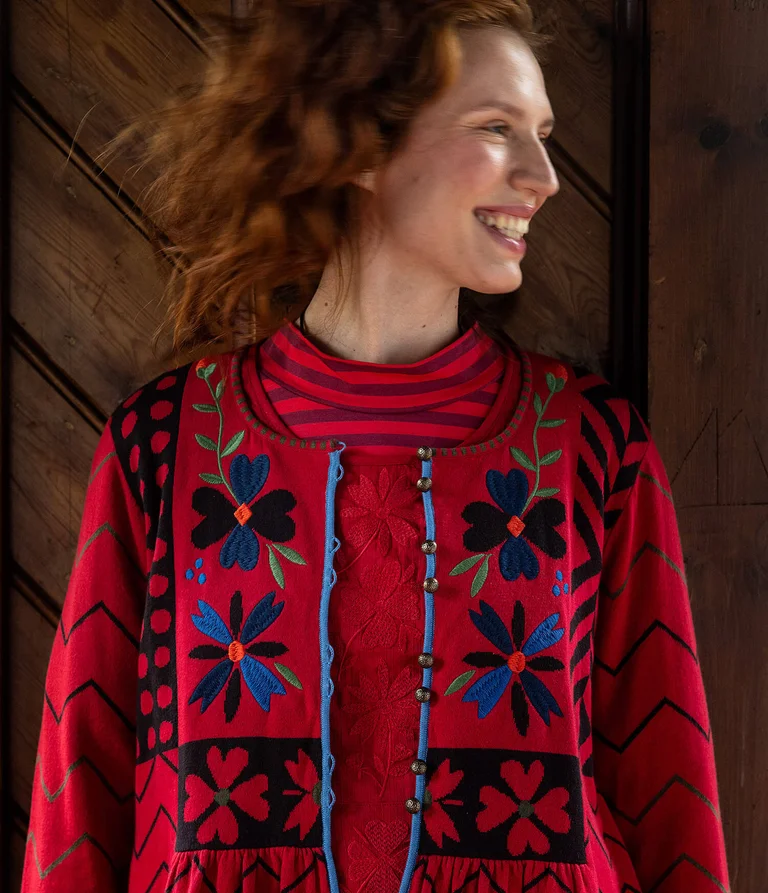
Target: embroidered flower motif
559	587
382	706
532	817
304	813
190	574
247	796
507	523
384	511
383	606
378	856
237	654
387	724
267	516
436	820
516	662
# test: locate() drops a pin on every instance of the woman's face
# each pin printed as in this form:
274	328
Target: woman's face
480	145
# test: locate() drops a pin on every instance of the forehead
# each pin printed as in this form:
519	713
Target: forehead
498	68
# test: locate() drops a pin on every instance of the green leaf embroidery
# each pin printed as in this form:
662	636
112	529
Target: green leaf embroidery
465	565
290	554
211	478
205	442
288	675
551	457
551	423
233	444
204	407
555	384
522	458
547	491
219	389
274	566
537	403
459	682
480	577
206	371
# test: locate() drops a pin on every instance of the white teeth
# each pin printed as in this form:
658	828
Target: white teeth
515	227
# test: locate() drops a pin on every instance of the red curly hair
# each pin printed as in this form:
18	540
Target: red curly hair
297	99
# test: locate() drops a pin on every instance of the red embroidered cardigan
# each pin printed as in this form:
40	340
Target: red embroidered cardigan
549	657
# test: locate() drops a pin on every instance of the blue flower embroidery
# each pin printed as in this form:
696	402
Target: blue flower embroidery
267	516
509	523
236	654
516	662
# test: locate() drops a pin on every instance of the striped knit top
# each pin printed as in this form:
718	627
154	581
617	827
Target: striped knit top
455	396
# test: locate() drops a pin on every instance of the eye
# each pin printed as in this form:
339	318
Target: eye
494	126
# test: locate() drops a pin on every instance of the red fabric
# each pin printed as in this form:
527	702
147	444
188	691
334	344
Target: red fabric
441	399
569	742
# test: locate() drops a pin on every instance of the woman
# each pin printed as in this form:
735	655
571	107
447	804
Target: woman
378	600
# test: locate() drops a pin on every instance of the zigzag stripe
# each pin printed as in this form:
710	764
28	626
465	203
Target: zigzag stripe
100	466
106	527
99	605
91	683
599	842
656	551
160	867
664	702
657	624
161	756
682	858
50	797
674	780
491	884
84	838
259	863
653	480
161	809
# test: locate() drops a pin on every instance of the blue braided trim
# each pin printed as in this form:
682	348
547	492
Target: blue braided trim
429	631
332	543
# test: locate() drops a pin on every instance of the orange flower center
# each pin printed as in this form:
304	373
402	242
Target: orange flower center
242	514
236	651
516	663
515	526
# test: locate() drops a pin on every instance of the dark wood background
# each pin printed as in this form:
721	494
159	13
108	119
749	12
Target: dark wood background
81	287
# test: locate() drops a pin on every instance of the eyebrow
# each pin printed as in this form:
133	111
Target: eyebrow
510	109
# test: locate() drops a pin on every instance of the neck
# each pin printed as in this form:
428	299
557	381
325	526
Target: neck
384	317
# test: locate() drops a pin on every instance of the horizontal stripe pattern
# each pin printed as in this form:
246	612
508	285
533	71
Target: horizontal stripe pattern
441	400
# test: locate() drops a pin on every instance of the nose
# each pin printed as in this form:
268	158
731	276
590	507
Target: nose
533	170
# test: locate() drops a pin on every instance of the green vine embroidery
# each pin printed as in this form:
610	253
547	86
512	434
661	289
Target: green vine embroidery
508	523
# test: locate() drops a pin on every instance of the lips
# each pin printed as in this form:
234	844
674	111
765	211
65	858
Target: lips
511	210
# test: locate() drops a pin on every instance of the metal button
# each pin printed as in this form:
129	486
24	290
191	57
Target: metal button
425	452
424	483
426	660
431	584
423	694
429	547
418	767
412	805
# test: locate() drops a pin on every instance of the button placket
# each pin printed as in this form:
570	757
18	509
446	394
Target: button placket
423	693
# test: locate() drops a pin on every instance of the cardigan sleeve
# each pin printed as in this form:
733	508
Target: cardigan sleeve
653	748
81	826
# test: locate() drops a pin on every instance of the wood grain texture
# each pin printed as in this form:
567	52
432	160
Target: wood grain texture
709	372
97	64
51	452
85	283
